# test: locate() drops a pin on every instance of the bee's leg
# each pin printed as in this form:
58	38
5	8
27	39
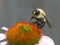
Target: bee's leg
41	25
35	22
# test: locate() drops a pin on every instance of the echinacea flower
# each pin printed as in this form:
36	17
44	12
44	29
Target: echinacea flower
25	33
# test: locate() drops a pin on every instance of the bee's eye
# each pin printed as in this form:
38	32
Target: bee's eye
36	12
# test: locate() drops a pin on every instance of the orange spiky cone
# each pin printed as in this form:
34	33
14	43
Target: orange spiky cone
23	33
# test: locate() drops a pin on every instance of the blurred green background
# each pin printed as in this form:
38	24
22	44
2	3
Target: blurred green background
12	11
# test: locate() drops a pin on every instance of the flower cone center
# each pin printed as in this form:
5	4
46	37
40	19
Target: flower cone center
24	28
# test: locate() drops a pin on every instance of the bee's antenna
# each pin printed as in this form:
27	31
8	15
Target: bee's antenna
33	6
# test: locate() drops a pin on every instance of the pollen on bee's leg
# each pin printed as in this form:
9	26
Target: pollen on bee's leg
4	28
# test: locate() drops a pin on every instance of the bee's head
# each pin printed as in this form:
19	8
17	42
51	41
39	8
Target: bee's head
38	11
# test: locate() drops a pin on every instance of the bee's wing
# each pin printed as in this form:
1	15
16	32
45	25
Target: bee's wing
48	22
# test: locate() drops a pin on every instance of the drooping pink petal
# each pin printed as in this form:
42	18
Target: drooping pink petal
2	36
4	28
45	40
3	43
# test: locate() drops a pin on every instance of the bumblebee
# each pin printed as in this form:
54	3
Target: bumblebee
39	17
